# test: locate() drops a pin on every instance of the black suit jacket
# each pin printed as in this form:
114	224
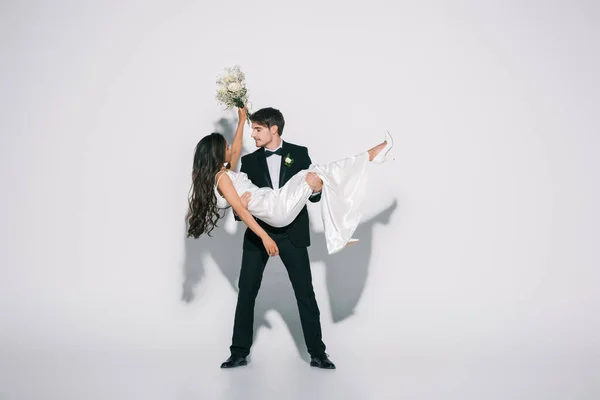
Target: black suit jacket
255	166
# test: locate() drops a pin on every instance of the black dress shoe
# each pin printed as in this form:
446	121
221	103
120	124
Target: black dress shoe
322	362
234	361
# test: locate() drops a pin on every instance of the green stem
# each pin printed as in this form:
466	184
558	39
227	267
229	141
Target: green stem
239	104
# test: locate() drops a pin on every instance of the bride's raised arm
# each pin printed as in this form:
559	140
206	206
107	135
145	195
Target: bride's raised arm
236	145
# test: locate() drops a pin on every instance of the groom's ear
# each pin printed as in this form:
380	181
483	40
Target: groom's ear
274	129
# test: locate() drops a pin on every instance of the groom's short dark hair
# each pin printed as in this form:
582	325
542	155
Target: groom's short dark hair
269	117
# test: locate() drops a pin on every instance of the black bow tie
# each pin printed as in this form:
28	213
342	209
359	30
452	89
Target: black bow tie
269	153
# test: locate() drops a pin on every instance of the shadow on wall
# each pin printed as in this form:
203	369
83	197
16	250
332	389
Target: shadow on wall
346	272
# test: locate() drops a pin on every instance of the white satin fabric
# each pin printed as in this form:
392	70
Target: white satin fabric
344	188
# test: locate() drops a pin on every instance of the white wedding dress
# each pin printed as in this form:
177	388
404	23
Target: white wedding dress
344	188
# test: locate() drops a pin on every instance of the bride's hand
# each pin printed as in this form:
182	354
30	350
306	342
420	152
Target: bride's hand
245	198
270	246
242	113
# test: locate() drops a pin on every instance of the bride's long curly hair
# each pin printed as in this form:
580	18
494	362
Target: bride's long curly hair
209	158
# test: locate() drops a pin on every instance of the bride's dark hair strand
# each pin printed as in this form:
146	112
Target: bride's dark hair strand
203	214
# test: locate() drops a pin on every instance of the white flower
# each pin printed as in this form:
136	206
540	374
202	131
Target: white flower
288	160
232	90
234	87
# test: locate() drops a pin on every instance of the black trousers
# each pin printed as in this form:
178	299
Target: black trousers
297	263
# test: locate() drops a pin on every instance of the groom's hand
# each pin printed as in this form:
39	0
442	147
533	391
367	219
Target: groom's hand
315	183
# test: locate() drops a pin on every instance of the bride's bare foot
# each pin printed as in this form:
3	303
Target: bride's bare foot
376	150
351	242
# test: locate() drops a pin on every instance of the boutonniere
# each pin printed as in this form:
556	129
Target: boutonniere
288	160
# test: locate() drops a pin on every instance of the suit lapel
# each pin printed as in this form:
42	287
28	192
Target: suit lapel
283	170
262	165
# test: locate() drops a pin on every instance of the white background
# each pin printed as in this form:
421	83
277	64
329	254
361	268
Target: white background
477	274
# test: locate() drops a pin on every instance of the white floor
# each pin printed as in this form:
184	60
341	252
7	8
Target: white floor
168	373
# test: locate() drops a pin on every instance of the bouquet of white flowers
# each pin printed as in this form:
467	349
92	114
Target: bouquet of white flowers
231	89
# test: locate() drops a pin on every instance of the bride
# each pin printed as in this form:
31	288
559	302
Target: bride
216	186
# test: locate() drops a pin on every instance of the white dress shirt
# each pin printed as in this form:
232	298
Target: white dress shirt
274	165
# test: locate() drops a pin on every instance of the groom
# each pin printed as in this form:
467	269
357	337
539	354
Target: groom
272	165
